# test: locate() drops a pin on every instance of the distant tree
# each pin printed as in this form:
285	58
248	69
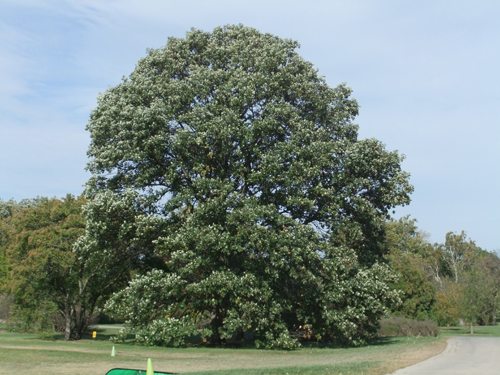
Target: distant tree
469	281
41	263
459	253
408	253
435	266
488	270
7	209
481	295
448	300
449	282
404	237
47	277
472	298
251	185
417	292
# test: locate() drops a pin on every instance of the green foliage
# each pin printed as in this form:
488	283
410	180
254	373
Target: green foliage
227	157
488	269
5	304
480	300
447	307
43	272
458	254
7	209
47	276
476	275
408	254
446	282
417	293
403	237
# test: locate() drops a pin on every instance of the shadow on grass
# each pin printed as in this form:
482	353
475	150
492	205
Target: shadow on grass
105	334
102	334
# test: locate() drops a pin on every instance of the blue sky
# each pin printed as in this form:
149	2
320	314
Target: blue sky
426	74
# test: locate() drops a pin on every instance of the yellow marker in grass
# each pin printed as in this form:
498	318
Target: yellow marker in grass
94	334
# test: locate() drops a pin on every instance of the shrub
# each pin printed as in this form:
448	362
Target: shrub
398	326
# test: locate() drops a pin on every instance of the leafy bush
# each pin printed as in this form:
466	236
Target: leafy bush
46	334
398	326
164	332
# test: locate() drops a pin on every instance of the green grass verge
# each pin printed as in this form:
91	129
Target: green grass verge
346	369
27	354
486	331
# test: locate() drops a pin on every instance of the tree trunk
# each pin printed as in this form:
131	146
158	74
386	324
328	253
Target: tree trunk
239	335
216	324
81	321
471	328
67	330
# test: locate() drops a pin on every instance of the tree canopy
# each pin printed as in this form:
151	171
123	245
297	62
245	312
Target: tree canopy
409	254
446	282
44	272
245	176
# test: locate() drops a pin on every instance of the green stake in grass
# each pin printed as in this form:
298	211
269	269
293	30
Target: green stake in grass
149	370
113	354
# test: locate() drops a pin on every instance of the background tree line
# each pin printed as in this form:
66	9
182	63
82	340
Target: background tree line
48	286
48	283
448	282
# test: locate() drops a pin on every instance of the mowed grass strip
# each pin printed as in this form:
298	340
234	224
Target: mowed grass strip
480	331
27	354
350	368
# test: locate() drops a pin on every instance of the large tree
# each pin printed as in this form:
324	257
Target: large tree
250	183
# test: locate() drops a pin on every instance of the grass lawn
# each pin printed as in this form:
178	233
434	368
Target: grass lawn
29	355
479	331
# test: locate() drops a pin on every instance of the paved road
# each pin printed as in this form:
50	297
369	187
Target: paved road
462	356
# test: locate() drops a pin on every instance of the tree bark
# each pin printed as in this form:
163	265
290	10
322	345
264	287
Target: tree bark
216	324
67	317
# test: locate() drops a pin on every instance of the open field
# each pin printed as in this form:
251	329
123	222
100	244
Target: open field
27	354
